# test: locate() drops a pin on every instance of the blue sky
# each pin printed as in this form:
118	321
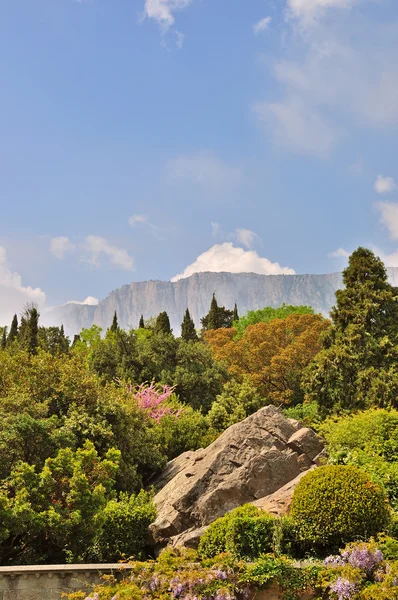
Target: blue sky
146	139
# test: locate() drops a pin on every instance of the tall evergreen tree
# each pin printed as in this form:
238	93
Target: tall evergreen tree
13	333
4	339
32	333
217	317
29	329
235	316
163	323
188	331
141	323
359	364
76	340
115	325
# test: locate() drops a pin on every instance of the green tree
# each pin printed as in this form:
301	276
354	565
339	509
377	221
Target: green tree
4	338
141	323
235	316
53	340
188	331
13	334
218	317
115	326
358	366
268	314
29	330
163	324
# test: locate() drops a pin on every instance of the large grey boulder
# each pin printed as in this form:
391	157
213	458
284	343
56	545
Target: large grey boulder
249	461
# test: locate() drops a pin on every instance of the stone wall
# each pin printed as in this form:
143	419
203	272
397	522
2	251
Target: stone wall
48	582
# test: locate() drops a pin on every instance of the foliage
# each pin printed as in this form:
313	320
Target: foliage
368	440
272	355
307	413
357	367
267	314
236	402
188	331
337	504
218	317
124	531
162	324
214	540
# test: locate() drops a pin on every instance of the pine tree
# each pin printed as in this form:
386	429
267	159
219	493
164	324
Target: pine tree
115	325
4	339
163	323
235	316
13	333
357	367
188	331
141	323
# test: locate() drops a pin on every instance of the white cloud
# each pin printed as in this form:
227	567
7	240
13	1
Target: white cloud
227	258
137	219
383	185
339	253
203	169
389	217
13	295
294	125
89	301
308	11
143	220
59	246
162	11
261	25
331	80
246	237
96	247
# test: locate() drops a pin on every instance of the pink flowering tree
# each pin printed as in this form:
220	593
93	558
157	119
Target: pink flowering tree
153	398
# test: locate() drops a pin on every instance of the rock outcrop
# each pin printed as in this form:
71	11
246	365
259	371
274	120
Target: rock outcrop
249	461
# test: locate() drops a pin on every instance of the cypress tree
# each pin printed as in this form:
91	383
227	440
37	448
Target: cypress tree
76	339
13	333
32	331
163	323
212	317
115	325
188	331
4	338
235	316
141	323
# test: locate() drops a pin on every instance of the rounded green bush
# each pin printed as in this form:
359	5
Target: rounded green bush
226	534
333	505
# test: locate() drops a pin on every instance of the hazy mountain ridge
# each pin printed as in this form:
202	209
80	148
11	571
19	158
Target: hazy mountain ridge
249	290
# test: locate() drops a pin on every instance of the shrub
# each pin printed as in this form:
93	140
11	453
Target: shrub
249	537
337	504
125	531
214	540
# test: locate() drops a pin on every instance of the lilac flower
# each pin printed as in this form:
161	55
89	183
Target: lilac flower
363	558
177	587
343	589
154	584
334	561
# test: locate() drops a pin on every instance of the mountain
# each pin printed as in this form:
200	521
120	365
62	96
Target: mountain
248	290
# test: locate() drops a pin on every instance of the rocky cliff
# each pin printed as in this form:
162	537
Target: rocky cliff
248	290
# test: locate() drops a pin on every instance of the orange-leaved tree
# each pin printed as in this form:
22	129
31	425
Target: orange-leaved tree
272	355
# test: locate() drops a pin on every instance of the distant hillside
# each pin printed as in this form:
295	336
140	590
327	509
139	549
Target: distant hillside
249	290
